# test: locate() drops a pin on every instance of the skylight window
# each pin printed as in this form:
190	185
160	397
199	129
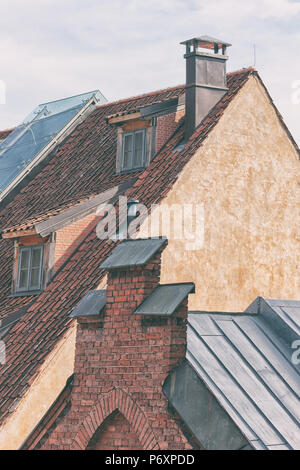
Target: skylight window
35	135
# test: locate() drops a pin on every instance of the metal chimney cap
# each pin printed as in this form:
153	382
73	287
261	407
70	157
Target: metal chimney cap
207	42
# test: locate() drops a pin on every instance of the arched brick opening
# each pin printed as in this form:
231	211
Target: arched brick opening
115	433
116	401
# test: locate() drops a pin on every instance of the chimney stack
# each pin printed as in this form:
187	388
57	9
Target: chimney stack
205	78
129	338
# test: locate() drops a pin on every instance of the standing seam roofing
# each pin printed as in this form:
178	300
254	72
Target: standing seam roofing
245	365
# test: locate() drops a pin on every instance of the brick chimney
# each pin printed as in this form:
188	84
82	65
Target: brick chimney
205	78
129	338
137	302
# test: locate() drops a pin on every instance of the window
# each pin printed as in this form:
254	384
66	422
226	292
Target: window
30	268
133	149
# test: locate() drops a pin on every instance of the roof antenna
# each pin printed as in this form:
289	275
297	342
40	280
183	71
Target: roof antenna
254	55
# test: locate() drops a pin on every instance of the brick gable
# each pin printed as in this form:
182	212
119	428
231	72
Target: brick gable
115	432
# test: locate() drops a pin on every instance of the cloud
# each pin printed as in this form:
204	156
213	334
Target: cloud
51	49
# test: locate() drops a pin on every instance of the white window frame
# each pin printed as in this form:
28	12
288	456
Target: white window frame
143	157
28	288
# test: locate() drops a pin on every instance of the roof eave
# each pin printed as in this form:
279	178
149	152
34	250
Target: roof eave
19	233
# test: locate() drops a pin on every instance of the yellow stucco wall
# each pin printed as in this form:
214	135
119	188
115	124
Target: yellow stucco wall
245	175
43	392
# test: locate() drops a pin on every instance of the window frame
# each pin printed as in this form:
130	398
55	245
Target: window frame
133	133
28	288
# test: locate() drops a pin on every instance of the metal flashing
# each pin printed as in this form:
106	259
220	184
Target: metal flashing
165	299
90	305
133	253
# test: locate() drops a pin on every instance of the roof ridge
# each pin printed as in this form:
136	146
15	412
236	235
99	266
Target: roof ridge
242	70
162	90
143	95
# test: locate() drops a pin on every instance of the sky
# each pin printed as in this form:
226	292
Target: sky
51	49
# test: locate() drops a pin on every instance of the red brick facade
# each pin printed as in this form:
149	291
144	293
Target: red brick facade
115	432
70	237
166	126
121	363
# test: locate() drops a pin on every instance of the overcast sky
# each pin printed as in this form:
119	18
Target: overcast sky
50	49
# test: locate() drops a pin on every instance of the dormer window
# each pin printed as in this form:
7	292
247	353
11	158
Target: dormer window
30	268
34	258
134	149
144	131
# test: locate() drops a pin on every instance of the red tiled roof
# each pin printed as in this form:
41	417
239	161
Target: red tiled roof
5	133
30	223
84	163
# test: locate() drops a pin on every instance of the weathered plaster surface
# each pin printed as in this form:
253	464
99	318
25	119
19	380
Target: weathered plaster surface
245	174
43	392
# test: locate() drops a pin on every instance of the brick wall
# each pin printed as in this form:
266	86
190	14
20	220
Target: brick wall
69	237
115	433
166	126
121	363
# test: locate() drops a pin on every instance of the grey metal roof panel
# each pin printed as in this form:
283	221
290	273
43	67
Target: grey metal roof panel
227	391
56	222
272	347
283	316
279	447
197	406
207	39
204	325
257	445
165	299
90	305
83	209
133	253
287	310
158	108
243	362
283	303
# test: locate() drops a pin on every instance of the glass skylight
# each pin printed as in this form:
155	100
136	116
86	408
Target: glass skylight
36	132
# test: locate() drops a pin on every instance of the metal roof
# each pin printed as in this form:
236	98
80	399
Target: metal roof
164	107
133	253
283	315
75	213
198	407
207	40
90	305
165	299
245	360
